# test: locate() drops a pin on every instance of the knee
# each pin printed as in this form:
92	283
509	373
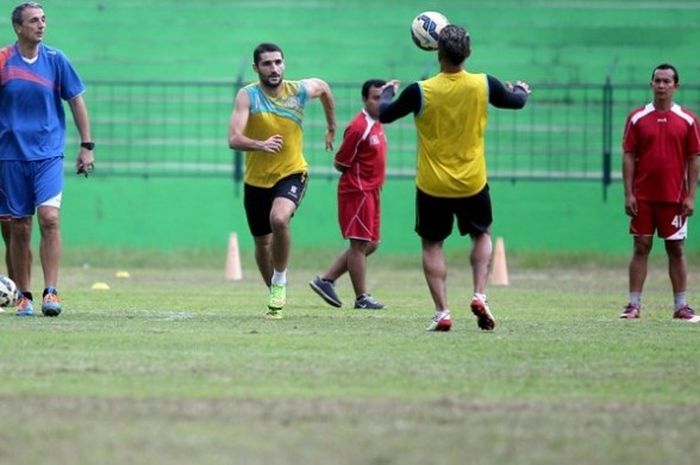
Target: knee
642	249
49	219
21	228
278	221
263	243
372	247
674	249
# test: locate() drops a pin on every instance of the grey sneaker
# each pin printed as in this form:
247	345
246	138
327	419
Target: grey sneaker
366	301
326	289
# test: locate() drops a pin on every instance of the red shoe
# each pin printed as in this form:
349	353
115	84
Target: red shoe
441	322
631	311
484	318
687	314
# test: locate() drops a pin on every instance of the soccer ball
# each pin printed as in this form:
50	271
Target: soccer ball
9	295
425	29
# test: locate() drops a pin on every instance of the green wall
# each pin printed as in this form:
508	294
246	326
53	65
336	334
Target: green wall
211	41
192	213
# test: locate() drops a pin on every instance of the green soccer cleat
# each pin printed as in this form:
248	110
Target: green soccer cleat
273	314
278	297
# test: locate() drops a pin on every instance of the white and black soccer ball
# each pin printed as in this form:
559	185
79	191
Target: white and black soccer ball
425	29
9	294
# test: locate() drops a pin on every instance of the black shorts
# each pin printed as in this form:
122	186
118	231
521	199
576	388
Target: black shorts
258	201
435	215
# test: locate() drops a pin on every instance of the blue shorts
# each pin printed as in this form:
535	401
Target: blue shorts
25	185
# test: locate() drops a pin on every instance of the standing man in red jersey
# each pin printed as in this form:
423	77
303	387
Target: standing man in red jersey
362	160
450	113
661	145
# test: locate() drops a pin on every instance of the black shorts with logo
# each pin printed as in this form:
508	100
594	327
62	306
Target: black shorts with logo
435	215
258	201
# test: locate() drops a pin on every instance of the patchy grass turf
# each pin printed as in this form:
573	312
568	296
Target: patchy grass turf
178	366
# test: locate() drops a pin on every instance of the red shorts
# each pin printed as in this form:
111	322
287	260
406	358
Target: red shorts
359	215
664	218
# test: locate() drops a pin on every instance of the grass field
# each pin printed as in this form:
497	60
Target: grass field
178	366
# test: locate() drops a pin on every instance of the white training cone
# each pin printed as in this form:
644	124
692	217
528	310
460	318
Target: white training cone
233	260
499	267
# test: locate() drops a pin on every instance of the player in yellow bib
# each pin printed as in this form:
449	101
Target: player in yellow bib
267	123
451	112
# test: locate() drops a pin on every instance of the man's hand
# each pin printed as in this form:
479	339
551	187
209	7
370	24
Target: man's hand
688	207
523	85
330	137
273	144
85	163
395	83
631	205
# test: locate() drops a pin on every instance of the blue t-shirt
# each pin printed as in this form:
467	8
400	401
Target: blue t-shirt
32	120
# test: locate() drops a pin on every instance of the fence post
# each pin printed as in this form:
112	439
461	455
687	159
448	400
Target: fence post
607	136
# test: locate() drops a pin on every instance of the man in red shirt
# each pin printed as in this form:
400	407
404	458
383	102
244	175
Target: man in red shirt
661	145
362	161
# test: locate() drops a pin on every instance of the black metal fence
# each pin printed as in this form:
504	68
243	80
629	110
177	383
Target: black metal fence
567	131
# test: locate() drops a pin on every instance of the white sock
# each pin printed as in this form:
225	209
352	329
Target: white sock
636	298
481	297
279	277
680	300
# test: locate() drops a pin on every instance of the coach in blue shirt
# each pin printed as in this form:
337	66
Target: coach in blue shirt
34	81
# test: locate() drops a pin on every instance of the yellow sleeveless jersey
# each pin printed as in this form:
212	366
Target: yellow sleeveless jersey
281	115
450	126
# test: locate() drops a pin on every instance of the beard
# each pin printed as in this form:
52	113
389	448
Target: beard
268	81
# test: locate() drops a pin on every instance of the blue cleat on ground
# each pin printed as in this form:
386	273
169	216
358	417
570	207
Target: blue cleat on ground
25	307
51	305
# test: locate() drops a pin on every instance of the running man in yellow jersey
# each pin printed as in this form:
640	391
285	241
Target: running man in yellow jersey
451	112
266	122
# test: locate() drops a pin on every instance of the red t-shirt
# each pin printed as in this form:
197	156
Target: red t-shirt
663	142
363	153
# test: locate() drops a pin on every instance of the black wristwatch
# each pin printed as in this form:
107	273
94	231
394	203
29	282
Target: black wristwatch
88	145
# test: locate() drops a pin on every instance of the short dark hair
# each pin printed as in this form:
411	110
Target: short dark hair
676	78
454	44
19	9
264	48
371	83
